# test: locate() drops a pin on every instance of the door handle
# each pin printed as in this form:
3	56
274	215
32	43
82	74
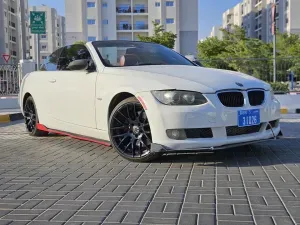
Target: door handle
52	81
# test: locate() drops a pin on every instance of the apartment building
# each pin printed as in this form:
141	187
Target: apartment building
126	19
255	16
14	30
215	32
55	33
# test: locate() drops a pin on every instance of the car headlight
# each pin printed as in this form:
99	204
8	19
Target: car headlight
179	97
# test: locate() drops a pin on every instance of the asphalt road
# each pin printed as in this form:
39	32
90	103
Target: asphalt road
58	180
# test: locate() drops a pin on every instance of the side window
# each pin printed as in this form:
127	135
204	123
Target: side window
50	63
72	53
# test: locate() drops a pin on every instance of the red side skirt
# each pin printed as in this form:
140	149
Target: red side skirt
44	128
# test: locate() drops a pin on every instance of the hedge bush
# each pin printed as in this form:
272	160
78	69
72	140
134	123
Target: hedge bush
278	86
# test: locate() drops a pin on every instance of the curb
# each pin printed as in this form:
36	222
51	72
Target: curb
11	117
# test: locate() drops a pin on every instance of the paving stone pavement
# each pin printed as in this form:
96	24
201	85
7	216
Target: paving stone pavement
57	180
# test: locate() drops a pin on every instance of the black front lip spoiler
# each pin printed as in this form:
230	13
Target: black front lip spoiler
162	149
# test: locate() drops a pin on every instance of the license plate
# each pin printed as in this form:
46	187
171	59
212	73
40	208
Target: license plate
248	118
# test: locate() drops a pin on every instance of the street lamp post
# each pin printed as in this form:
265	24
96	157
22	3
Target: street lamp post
274	39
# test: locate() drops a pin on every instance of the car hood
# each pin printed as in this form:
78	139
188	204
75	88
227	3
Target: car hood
213	79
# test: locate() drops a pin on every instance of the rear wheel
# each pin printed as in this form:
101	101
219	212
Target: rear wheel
31	118
130	132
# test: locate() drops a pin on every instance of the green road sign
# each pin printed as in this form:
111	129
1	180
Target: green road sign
38	22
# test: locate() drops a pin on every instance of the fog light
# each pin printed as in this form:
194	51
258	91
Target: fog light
176	134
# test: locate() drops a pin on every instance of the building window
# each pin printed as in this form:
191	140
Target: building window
124	38
157	21
104	21
43	36
157	4
6	45
104	4
91	38
105	38
44	47
91	4
169	3
91	21
169	20
44	57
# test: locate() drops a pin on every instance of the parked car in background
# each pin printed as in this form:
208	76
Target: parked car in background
145	99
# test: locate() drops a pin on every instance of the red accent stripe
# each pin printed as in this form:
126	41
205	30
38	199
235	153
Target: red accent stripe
142	102
44	128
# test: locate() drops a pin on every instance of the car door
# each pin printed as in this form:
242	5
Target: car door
74	94
43	96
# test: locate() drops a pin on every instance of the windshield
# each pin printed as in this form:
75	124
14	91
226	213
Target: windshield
130	53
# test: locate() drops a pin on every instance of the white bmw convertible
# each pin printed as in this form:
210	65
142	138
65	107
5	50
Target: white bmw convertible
145	100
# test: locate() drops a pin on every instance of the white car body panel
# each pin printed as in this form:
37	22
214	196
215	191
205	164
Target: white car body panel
78	102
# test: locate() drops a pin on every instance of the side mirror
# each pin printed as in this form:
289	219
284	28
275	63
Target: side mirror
80	64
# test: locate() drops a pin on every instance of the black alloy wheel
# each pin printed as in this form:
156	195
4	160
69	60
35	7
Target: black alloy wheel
31	118
130	132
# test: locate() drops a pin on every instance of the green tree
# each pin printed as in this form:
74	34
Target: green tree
237	52
210	52
166	38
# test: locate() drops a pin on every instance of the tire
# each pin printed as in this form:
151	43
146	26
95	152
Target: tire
130	133
31	119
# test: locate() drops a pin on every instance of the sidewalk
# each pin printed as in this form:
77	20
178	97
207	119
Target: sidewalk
9	109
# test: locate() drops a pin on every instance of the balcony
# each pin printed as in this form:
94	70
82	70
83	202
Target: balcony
128	9
258	14
140	26
12	24
140	10
12	10
257	2
257	27
130	27
13	39
124	26
123	9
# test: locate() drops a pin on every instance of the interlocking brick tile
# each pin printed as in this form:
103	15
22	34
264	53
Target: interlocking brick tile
235	218
116	216
242	210
58	180
188	219
284	220
64	215
133	217
207	219
148	220
48	215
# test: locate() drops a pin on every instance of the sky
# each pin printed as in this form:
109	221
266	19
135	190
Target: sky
210	11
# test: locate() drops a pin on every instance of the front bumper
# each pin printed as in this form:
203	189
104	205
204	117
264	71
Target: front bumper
211	115
163	149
